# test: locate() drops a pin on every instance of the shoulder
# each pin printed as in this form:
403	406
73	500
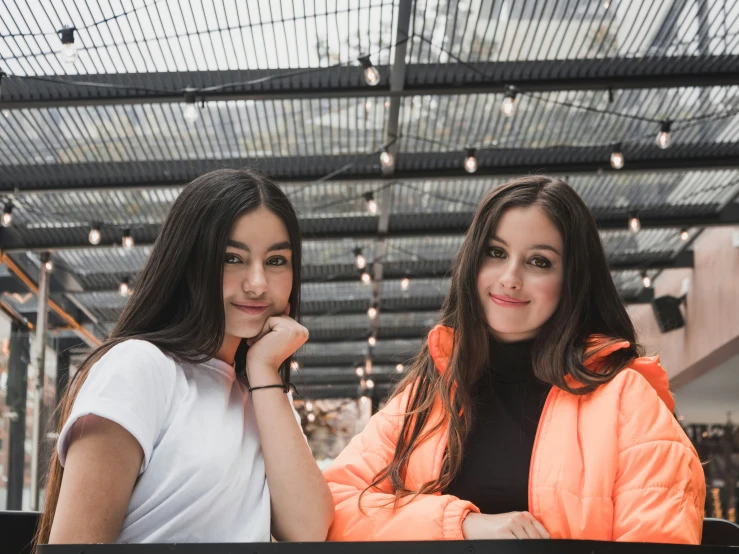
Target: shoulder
136	360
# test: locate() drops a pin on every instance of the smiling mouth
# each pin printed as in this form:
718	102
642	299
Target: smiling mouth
251	310
506	302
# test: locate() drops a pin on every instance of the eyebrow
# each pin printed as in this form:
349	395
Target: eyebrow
533	247
284	245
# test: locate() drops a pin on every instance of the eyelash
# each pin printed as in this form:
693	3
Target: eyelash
548	264
232	259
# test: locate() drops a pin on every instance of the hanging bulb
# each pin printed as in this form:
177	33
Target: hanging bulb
371	204
49	266
309	406
509	102
634	224
127	240
359	371
606	5
124	288
359	260
311	417
191	109
94	236
370	384
364	400
294	365
69	50
372	313
405	283
617	158
663	138
371	75
8	214
366	278
386	159
684	235
399	368
470	162
646	281
372	341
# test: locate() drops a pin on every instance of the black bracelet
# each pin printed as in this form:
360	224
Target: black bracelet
285	388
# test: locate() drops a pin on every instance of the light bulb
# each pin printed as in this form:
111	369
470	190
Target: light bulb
127	240
49	266
190	113
294	365
617	158
7	215
470	162
309	406
370	384
606	5
371	76
69	53
646	281
366	277
94	236
124	288
372	341
405	283
386	159
634	224
399	368
311	417
359	371
509	104
359	260
371	204
663	138
364	400
684	235
372	312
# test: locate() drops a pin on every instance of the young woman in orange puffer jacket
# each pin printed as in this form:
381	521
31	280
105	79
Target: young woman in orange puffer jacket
528	413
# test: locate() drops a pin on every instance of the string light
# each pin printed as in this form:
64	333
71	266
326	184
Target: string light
124	288
405	283
371	203
399	368
617	158
49	266
470	162
191	109
294	365
372	312
95	235
370	384
69	50
646	281
359	260
364	400
386	159
8	214
359	371
684	235
371	75
127	240
634	224
366	278
509	102
663	138
372	341
311	417
309	406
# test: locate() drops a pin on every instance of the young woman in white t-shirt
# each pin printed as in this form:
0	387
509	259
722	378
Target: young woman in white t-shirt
180	427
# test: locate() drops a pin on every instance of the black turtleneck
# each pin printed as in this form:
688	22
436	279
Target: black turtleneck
497	455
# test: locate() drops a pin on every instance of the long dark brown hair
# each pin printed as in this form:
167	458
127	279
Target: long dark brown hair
589	305
177	303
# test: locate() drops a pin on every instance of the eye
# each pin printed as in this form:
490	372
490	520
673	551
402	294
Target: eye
277	261
496	252
231	259
541	262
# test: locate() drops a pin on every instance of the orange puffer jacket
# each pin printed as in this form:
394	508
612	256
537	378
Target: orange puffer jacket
611	465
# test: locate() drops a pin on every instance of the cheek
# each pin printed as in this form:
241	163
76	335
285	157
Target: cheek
486	278
548	290
280	286
231	283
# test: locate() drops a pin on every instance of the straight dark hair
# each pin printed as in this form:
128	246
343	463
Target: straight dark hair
589	305
177	303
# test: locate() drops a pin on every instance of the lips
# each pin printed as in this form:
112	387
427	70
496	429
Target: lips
507	301
251	309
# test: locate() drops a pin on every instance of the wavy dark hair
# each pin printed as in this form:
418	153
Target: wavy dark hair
177	303
589	305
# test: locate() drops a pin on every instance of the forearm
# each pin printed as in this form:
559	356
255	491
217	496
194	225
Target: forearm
302	507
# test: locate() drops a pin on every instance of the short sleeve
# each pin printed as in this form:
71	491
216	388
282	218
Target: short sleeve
132	385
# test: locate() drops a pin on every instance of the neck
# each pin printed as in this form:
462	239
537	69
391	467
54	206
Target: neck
227	351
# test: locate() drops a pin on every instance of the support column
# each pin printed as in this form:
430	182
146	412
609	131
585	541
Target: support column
16	404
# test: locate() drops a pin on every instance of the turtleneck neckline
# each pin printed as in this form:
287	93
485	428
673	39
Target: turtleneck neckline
511	362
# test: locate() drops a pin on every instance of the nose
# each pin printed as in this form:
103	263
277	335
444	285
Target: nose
511	276
255	280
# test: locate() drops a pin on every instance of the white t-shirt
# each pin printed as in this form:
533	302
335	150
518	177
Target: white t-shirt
202	478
